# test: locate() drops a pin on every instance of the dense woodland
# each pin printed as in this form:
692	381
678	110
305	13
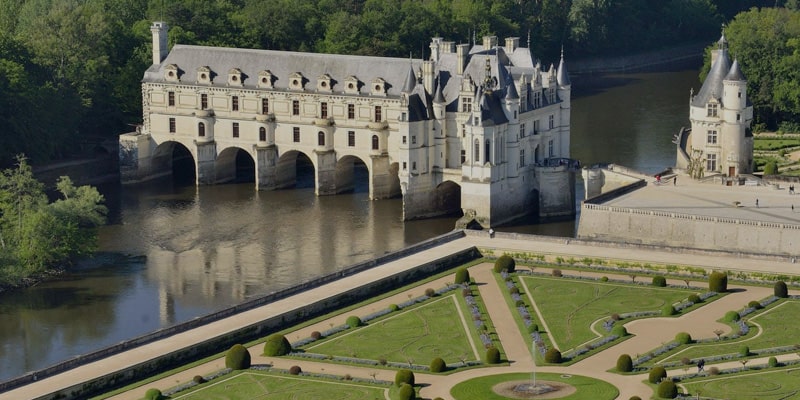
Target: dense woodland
70	69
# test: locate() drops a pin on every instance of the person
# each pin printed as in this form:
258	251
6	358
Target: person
756	203
700	365
491	232
674	181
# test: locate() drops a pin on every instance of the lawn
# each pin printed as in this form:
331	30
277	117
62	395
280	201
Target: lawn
587	388
267	386
569	307
434	329
774	144
771	385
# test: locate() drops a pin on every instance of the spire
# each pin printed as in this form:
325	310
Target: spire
529	38
563	75
511	91
438	98
411	80
735	74
722	43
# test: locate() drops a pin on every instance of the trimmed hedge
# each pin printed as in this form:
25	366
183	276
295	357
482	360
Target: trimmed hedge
694	298
619	330
153	394
659	281
731	316
552	356
237	357
504	263
492	355
624	363
744	351
277	345
438	365
533	328
780	290
406	392
657	374
462	276
295	370
668	310
635	398
718	282
683	338
404	376
772	362
667	390
353	321
755	304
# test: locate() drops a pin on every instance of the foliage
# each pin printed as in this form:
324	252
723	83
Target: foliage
153	394
771	168
683	338
718	282
619	330
731	316
438	365
552	356
772	362
656	374
668	310
755	304
462	276
635	398
780	290
295	370
492	355
659	281
404	376
533	328
694	298
667	390
198	379
504	263
624	363
406	392
237	357
744	351
277	345
353	321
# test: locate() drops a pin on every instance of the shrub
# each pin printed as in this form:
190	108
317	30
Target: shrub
731	316
771	168
604	279
744	351
667	390
394	307
198	379
462	276
686	360
683	338
492	355
353	321
694	298
619	330
316	335
615	317
624	363
438	365
533	328
519	303
513	290
635	398
780	290
754	304
713	371
659	281
406	392
668	310
772	362
277	345
552	356
295	370
237	357
430	292
556	272
404	376
657	374
153	394
718	282
504	263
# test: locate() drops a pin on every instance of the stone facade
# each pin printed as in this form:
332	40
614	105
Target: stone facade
480	128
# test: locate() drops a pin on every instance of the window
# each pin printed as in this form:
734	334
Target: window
323	110
536	127
712	110
351	138
413	139
172	125
740	94
738	117
463	130
236	129
550	149
265	106
171	99
405	166
515	114
203	101
321	138
405	139
201	129
552	95
466	106
351	111
375	142
476	152
463	156
262	134
712	137
295	107
487	151
537	99
414	166
551	122
296	134
522	131
378	114
711	162
522	158
235	103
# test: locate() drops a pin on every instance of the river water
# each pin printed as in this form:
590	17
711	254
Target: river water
210	247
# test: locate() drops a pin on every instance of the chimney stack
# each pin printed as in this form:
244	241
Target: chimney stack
489	42
160	51
462	53
512	44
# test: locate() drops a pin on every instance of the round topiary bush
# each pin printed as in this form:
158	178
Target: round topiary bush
533	328
153	394
744	351
754	304
557	273
316	335
718	282
198	379
504	263
404	376
713	371
683	338
604	279
430	292
406	392
624	363
772	362
657	374
353	321
519	303
295	370
667	390
780	290
731	316
462	276
619	330
668	310
552	356
492	355
635	398
394	307
694	298
237	357
659	281
438	365
277	345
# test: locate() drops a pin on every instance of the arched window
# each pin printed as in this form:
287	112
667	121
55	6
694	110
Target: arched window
488	151
321	138
375	142
201	129
262	134
476	157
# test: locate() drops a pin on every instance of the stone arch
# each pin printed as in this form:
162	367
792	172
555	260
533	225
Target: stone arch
234	164
352	175
178	159
447	198
295	169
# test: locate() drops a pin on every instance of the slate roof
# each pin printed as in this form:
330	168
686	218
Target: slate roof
735	74
712	87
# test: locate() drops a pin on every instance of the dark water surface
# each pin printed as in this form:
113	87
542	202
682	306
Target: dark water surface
210	247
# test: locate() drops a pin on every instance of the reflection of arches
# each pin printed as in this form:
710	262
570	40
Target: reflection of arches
447	198
295	169
352	175
176	158
235	165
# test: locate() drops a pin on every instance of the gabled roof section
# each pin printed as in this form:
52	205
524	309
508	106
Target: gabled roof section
712	87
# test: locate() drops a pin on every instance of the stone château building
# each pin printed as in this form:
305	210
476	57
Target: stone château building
482	129
720	140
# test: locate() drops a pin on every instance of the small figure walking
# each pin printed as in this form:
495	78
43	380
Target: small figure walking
674	181
756	203
491	233
700	365
792	207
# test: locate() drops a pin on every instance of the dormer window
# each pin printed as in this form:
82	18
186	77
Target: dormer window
296	81
204	75
713	110
325	83
235	77
351	85
265	79
378	87
171	73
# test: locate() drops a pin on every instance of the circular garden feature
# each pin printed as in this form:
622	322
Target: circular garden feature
501	387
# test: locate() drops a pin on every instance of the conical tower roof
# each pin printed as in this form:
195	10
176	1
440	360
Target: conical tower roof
735	74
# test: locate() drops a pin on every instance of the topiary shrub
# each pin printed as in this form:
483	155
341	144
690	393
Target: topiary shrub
353	321
406	392
624	363
295	370
533	328
731	316
694	298
153	394
557	273
394	307
772	362
237	357
718	282
683	338
404	376
771	167
713	371
277	345
552	356
504	263
430	292
659	281
619	330
668	310
667	390
462	276
754	304
198	379
604	279
492	355
316	335
744	351
657	374
780	290
635	398
438	365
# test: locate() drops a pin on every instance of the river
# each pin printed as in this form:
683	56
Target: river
211	247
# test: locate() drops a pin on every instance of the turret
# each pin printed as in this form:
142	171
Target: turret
160	50
438	103
734	88
511	103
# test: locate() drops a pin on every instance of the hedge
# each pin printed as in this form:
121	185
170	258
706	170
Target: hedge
657	374
624	363
277	345
404	376
667	390
237	357
718	282
504	263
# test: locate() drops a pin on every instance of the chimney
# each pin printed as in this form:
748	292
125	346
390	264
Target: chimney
436	47
448	47
462	53
512	44
489	42
428	75
160	50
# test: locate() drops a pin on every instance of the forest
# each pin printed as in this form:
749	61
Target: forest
70	70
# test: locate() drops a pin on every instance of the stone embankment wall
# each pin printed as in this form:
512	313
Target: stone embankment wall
254	331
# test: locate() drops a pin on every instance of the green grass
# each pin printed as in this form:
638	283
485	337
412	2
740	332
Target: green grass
587	388
434	329
762	385
569	307
764	144
269	386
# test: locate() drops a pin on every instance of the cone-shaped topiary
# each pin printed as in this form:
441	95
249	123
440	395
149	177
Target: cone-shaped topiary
624	363
659	281
780	290
153	394
683	338
504	263
657	374
718	282
552	356
277	345
404	376
462	276
406	392
237	357
353	321
295	370
667	390
438	365
492	355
